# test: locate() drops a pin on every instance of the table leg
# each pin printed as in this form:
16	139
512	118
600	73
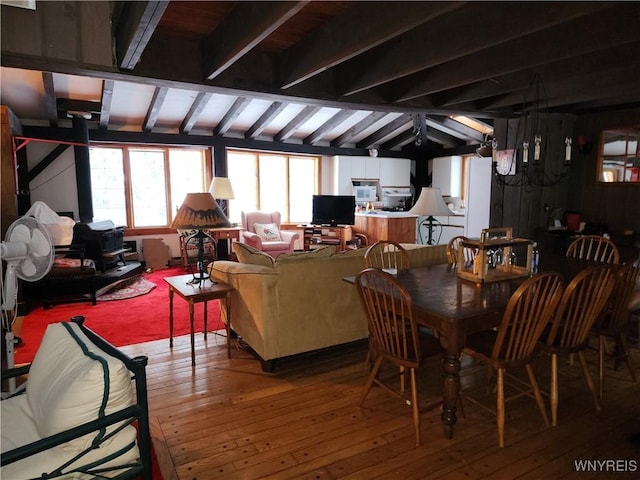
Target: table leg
170	317
193	351
205	319
450	392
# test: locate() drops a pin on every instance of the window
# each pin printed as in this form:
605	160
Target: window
273	181
142	187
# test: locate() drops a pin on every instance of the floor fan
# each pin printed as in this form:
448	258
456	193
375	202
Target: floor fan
28	253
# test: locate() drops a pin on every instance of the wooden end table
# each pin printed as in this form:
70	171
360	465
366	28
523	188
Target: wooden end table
194	293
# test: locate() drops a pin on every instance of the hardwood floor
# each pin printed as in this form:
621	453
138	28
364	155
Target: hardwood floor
229	420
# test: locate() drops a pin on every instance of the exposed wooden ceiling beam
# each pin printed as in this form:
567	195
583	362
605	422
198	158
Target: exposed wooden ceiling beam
327	126
198	105
236	109
357	128
460	130
513	21
526	52
105	103
135	27
272	112
375	138
50	98
153	111
289	129
248	24
358	30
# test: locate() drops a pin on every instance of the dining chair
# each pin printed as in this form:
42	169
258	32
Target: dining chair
454	246
395	336
595	248
388	255
514	342
582	302
612	324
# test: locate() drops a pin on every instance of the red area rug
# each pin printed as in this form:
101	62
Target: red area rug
123	322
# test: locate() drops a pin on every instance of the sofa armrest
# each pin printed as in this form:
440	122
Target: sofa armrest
252	239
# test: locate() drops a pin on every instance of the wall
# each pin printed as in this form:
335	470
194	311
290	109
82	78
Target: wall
614	204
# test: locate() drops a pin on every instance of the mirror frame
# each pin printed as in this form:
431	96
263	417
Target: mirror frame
614	150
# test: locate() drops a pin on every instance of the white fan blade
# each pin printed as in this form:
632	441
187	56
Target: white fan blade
20	233
39	245
28	268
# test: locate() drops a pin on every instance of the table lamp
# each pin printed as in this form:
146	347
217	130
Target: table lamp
199	211
221	189
430	203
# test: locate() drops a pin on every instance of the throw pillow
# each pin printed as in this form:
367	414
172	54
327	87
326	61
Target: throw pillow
267	231
253	256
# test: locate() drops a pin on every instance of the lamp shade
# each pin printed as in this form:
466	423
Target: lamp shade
221	188
199	211
430	203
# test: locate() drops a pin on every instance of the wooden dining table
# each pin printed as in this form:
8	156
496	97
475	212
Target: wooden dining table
456	307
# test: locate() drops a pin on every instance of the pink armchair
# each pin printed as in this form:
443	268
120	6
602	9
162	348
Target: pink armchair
282	242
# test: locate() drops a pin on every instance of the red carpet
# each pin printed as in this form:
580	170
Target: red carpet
124	322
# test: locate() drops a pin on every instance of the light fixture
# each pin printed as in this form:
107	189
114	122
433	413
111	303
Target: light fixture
536	167
199	211
221	189
430	204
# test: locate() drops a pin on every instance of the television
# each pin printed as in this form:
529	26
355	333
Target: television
333	210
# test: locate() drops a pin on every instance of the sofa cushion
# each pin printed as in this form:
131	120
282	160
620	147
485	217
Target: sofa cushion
251	255
321	252
268	232
72	382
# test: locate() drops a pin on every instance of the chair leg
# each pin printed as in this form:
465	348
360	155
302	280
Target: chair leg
372	376
414	404
554	389
537	393
587	377
500	406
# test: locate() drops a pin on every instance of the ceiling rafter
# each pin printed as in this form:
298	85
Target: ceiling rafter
198	105
236	109
106	99
289	129
159	95
375	138
358	128
245	27
272	112
327	126
138	22
359	30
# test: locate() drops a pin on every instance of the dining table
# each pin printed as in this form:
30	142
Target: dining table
455	307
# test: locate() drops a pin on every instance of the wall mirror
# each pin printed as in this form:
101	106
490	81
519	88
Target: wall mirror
619	155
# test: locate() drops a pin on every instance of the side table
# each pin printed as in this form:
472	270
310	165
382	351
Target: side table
227	234
194	293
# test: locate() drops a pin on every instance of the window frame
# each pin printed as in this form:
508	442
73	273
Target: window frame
128	187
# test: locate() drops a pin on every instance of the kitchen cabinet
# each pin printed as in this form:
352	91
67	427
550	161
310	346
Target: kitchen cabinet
392	172
399	228
447	175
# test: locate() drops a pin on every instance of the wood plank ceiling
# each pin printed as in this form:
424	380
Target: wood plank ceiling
343	74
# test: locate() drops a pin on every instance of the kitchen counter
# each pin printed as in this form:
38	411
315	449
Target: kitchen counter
377	225
385	214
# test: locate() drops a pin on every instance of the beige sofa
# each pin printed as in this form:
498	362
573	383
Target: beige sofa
299	302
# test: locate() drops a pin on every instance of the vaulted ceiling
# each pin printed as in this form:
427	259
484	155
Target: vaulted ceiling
338	74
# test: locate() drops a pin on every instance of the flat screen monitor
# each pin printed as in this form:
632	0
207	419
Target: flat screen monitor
334	210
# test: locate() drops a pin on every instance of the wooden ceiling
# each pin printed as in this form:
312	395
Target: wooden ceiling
357	74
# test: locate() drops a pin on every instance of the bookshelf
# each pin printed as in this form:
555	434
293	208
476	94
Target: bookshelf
317	236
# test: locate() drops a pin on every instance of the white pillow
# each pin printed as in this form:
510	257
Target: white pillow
267	231
71	382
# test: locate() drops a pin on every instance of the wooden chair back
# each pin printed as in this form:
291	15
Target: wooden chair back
618	314
454	246
582	302
393	330
386	254
530	309
595	248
